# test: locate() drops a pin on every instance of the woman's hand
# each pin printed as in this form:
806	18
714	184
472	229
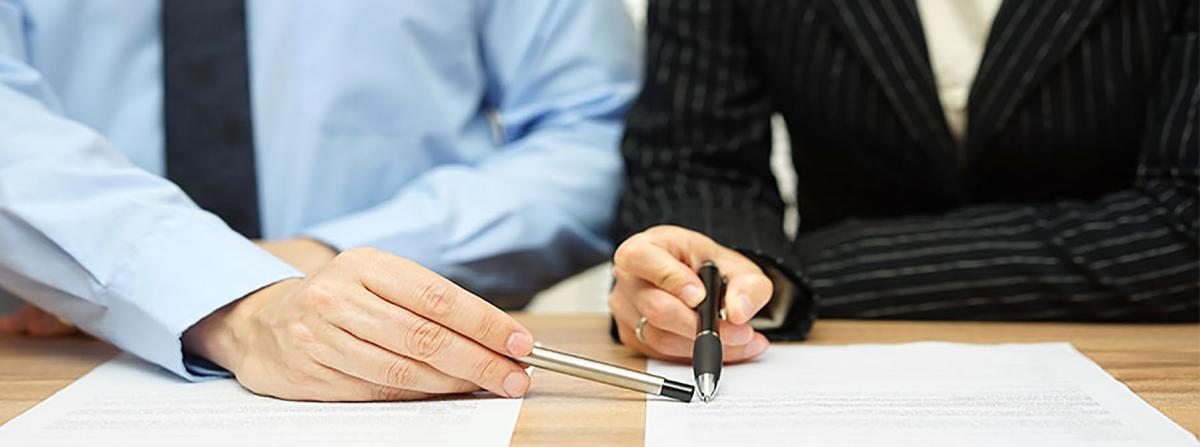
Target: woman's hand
656	280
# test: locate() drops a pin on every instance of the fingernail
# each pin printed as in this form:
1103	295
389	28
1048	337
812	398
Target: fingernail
515	384
519	344
692	295
747	307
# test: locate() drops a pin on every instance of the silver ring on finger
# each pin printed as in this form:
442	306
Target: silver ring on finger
637	330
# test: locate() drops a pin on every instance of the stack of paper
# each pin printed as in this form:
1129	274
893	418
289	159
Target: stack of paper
127	402
920	395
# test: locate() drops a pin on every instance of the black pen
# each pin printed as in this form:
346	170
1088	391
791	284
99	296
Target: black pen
706	352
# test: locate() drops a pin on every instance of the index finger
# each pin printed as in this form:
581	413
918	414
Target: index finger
411	286
667	257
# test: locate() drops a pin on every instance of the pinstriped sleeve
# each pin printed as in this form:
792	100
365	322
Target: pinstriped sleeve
697	143
698	140
1128	256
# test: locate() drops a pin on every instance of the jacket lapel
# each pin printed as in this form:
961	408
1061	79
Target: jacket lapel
889	38
1028	39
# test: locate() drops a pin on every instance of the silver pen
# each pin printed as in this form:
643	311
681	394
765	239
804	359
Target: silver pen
575	366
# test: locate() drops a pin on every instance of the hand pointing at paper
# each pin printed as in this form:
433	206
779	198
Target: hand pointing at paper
367	326
656	280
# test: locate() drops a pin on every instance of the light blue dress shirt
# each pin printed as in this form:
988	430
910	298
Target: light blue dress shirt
477	137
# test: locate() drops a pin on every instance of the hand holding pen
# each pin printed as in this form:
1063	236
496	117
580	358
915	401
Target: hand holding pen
658	288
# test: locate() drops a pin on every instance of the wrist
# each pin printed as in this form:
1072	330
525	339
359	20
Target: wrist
222	336
306	255
315	249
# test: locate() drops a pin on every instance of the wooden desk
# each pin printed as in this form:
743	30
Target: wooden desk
1161	363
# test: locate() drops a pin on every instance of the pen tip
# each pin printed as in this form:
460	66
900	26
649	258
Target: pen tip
706	384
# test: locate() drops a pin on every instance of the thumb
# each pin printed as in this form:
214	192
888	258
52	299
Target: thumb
667	257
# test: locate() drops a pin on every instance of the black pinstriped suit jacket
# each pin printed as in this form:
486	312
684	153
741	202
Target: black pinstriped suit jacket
1073	197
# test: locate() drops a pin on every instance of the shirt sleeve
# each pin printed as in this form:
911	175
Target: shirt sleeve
561	75
84	234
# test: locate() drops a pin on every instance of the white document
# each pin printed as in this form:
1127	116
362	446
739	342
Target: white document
127	402
918	394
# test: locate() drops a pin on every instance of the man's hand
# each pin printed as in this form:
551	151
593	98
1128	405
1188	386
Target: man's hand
367	326
656	279
33	321
306	255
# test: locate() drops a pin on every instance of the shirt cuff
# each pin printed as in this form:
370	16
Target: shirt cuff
773	315
176	276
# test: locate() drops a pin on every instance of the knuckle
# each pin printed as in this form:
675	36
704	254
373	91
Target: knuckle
674	232
436	298
400	374
384	393
663	230
357	255
490	326
427	340
628	251
489	370
667	278
348	256
691	235
463	386
320	295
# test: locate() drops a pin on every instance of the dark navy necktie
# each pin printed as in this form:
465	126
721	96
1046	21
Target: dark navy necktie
206	108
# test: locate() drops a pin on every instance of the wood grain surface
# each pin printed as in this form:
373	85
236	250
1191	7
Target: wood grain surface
1161	363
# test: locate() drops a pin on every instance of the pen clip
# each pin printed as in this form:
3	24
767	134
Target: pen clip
721	314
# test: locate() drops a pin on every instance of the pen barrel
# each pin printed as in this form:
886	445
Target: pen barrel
706	355
571	365
710	308
706	350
